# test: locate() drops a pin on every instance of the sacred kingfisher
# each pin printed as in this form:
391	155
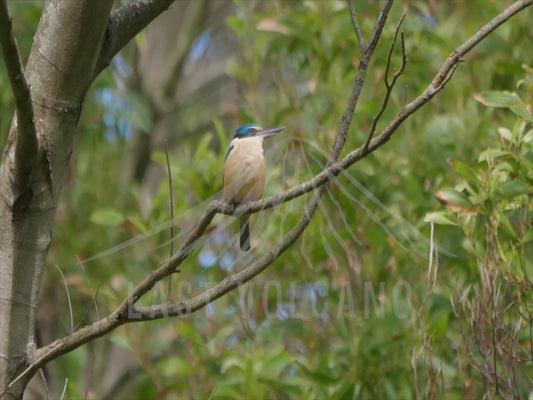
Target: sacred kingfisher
244	171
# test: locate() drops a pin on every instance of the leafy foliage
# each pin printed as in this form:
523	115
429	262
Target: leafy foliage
492	206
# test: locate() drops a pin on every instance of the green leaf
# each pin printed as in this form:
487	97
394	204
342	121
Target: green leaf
490	154
528	237
512	189
318	377
506	224
276	362
505	134
464	170
137	223
107	218
224	391
492	98
528	137
522	111
519	128
231	362
454	197
438	217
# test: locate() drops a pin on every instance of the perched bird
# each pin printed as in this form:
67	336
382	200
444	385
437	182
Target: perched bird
244	171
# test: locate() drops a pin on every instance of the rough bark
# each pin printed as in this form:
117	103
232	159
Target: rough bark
59	72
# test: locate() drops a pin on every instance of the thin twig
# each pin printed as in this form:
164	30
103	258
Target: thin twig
389	57
64	389
95	304
93	293
45	383
340	140
87	310
26	141
388	85
356	26
68	299
172	222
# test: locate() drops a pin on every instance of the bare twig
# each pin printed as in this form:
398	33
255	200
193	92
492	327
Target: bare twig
389	57
124	24
93	293
388	85
356	26
171	205
126	312
65	386
358	86
68	298
26	141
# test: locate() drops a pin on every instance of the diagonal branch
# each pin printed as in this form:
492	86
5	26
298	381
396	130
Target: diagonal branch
356	26
26	142
126	311
124	24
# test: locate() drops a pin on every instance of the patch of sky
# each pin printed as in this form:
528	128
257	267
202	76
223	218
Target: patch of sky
201	45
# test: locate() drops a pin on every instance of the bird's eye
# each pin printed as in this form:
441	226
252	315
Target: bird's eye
253	130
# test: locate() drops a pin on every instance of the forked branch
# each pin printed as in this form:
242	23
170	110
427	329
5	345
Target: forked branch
124	24
26	140
356	26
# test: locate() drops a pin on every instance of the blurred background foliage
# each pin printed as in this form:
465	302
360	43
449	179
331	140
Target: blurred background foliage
415	278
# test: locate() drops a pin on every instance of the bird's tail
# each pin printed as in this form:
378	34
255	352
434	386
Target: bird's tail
245	233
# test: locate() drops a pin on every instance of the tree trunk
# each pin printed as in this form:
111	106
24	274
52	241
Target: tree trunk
59	72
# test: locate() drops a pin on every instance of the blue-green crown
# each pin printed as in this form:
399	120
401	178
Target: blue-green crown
248	130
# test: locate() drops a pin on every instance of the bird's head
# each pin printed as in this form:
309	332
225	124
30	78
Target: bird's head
254	130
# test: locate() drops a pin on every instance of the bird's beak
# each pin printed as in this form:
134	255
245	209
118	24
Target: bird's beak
270	132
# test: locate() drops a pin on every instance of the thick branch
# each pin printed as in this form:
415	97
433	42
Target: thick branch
127	313
124	24
26	141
